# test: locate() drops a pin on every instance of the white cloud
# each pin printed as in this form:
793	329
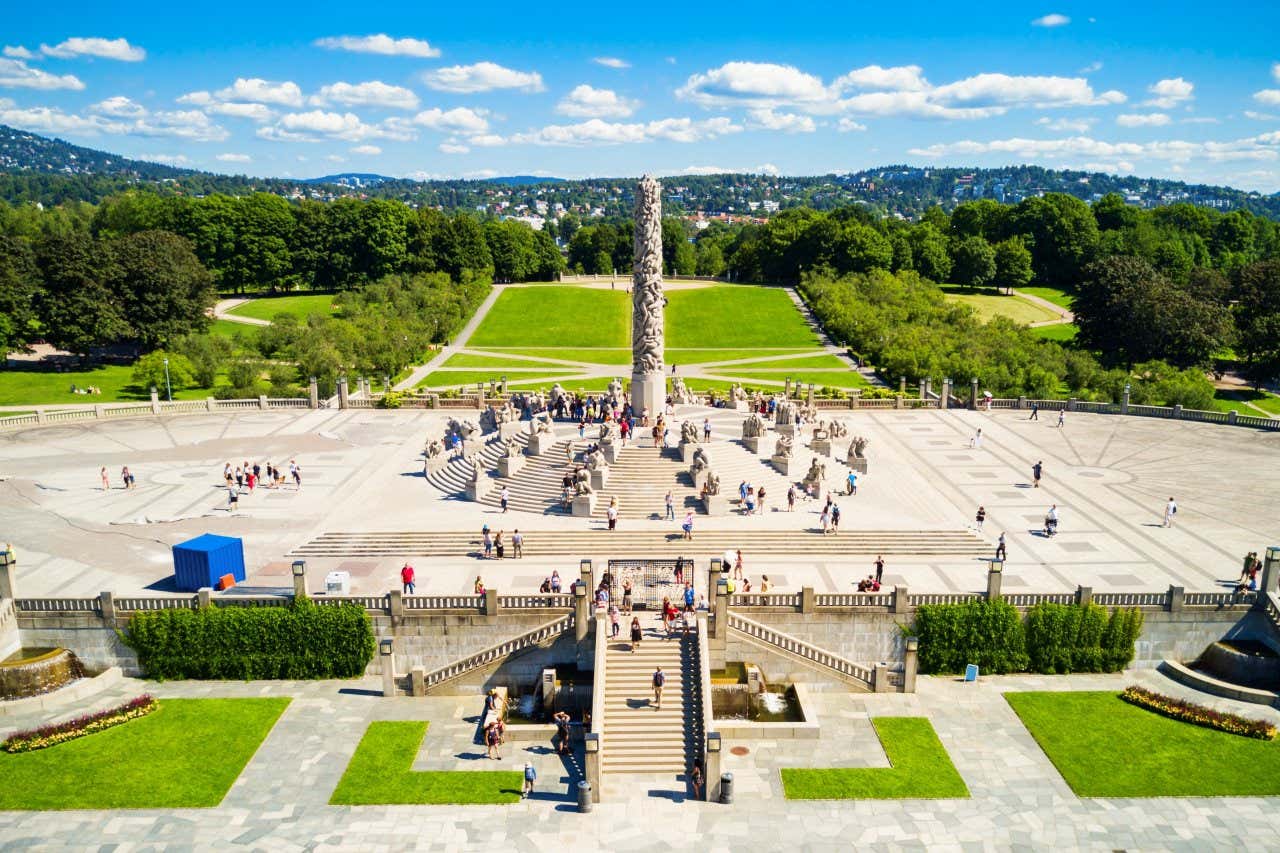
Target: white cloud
1257	116
589	102
51	120
367	150
598	132
253	112
611	62
317	124
1275	71
255	90
753	83
1142	120
848	125
481	174
233	158
1080	125
767	169
1051	20
486	140
1169	93
766	119
15	74
189	125
453	148
903	78
380	44
335	158
457	120
182	124
119	107
706	170
373	93
170	159
1199	120
118	49
1265	147
482	77
1092	67
1270	97
18	52
1003	90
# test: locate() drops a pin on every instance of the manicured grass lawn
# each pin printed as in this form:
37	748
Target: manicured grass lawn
921	769
989	304
231	329
828	378
301	307
1225	401
735	314
1105	747
1063	333
622	356
818	362
186	754
45	388
380	774
556	316
452	378
603	355
683	355
598	383
1055	295
466	360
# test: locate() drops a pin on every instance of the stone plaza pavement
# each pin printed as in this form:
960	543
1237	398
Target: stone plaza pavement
1018	800
1109	476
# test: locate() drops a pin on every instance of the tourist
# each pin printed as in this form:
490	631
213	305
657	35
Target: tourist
602	595
296	470
669	615
737	563
614	626
687	526
562	731
626	596
406	579
688	598
659	681
1251	566
1036	470
239	478
670	504
503	498
1035	412
1062	418
546	586
492	740
1051	521
127	476
530	776
1001	552
487	539
227	475
706	430
678	571
746	585
835	519
742	492
791	498
750	500
1170	510
106	481
612	513
879	564
636	633
250	480
697	778
684	623
555	581
233	499
497	544
976	441
478	586
517	544
760	501
852	483
980	518
824	518
665	614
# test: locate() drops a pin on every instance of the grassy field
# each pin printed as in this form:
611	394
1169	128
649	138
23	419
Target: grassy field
1055	295
1105	747
622	356
1063	333
380	773
733	314
921	769
989	304
814	362
685	355
592	385
602	355
452	378
1225	401
186	754
467	360
301	307
43	388
827	378
551	316
231	329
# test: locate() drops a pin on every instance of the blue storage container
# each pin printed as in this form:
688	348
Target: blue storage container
201	561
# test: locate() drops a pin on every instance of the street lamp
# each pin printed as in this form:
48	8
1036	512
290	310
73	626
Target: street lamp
168	389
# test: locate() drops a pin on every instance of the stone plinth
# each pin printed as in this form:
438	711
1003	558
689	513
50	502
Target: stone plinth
509	466
821	445
782	464
699	477
478	489
611	452
752	444
540	443
648	390
687	449
787	429
716	504
599	477
584	506
510	430
859	465
433	464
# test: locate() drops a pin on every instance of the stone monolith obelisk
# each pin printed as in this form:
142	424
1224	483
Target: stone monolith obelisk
648	380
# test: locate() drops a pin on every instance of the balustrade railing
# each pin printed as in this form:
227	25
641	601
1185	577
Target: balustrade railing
443	602
536	601
140	604
1131	599
58	605
854	599
944	598
765	599
800	648
499	651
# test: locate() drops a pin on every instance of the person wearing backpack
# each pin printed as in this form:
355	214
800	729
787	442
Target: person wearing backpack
530	776
659	680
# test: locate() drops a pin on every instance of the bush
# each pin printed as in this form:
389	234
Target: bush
303	640
391	400
988	633
1198	715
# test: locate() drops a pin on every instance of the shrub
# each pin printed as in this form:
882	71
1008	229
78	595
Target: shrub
988	633
1068	638
303	640
1122	631
391	400
1189	712
52	735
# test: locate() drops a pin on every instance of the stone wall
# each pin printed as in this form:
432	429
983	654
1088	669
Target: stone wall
97	645
432	640
1182	636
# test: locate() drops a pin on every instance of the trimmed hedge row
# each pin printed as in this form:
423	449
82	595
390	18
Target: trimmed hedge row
1055	638
303	640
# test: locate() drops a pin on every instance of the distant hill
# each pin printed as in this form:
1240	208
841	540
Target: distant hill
21	151
524	180
352	179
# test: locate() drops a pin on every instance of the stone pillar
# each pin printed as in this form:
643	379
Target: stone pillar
880	678
313	393
1084	595
490	602
901	600
648	378
786	389
973	394
41	417
720	607
262	402
1231	417
1176	596
944	400
395	603
342	392
107	603
204	597
1022	401
899	402
1270	572
1071	404
155	401
994	575
925	387
99	411
299	578
587	575
591	749
1124	401
8	575
547	684
910	664
581	613
1177	411
902	385
418	681
808	600
713	767
387	658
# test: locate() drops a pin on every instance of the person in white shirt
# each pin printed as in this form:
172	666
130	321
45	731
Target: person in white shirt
1170	510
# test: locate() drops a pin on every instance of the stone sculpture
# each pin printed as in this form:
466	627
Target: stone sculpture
477	470
688	433
614	394
737	394
510	448
434	448
463	429
753	426
784	413
857	448
701	460
817	473
648	381
820	432
582	482
558	398
680	393
837	429
713	483
782	449
595	460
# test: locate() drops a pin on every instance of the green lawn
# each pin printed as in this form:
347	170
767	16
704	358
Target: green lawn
1057	296
685	355
1105	747
186	754
602	355
599	383
267	307
231	329
988	304
44	388
921	769
828	378
1063	333
553	315
735	314
819	362
452	378
622	356
380	773
1225	401
467	360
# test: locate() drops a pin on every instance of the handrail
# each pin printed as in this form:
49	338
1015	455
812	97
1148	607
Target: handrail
56	605
539	601
704	681
136	604
496	652
801	649
1273	608
598	684
443	602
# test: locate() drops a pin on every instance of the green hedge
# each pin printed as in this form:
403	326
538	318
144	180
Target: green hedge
303	640
1055	638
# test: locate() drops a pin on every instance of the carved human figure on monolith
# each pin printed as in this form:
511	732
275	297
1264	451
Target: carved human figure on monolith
648	381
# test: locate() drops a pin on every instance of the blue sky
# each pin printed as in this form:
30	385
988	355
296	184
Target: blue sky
1178	90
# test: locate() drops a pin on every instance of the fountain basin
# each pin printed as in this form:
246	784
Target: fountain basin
33	671
784	712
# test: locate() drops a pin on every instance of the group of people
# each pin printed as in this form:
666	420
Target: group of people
750	498
551	583
248	477
93	390
494	546
127	479
1249	573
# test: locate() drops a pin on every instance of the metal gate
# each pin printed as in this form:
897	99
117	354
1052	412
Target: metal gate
651	581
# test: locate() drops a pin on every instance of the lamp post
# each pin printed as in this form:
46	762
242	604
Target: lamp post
168	389
300	578
388	660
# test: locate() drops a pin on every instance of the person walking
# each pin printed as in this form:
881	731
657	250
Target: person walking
687	526
659	681
980	518
636	633
1062	418
688	598
530	776
517	544
487	539
706	430
791	498
1001	551
835	519
697	778
497	544
505	496
493	740
296	470
1035	412
760	500
852	481
824	518
612	513
670	504
406	579
1170	510
106	480
737	565
233	499
562	731
976	441
626	596
879	568
127	476
1036	470
614	626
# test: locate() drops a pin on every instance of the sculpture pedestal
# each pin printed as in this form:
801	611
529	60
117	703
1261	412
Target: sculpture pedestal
599	477
510	430
540	443
752	444
584	506
716	504
509	466
687	449
821	445
859	464
611	452
648	390
477	489
786	429
782	464
699	477
433	464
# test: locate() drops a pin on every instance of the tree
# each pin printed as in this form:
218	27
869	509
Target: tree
1013	264
77	311
1062	235
19	286
861	248
1257	288
149	371
161	286
929	253
207	355
973	262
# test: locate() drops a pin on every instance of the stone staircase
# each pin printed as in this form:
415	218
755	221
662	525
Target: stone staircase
638	738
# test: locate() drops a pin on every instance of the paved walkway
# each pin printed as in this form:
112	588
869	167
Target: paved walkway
1065	315
222	309
459	341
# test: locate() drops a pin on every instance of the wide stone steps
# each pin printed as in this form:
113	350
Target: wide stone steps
653	541
639	738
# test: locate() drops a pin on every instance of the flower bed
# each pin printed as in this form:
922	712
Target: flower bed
1189	712
52	735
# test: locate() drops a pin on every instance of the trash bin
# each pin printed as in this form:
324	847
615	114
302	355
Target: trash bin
726	788
584	796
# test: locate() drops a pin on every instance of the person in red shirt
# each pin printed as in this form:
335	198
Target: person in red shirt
406	579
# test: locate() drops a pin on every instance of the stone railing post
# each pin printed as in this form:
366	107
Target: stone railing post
1084	595
1177	411
387	658
204	597
155	401
8	575
395	602
210	404
808	600
1071	404
944	399
491	602
925	387
899	402
591	749
720	608
1176	596
880	678
1022	402
973	394
40	416
581	612
994	575
1124	401
901	600
262	402
586	573
299	578
313	393
713	767
902	385
99	411
910	664
1232	416
1270	571
342	392
107	603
